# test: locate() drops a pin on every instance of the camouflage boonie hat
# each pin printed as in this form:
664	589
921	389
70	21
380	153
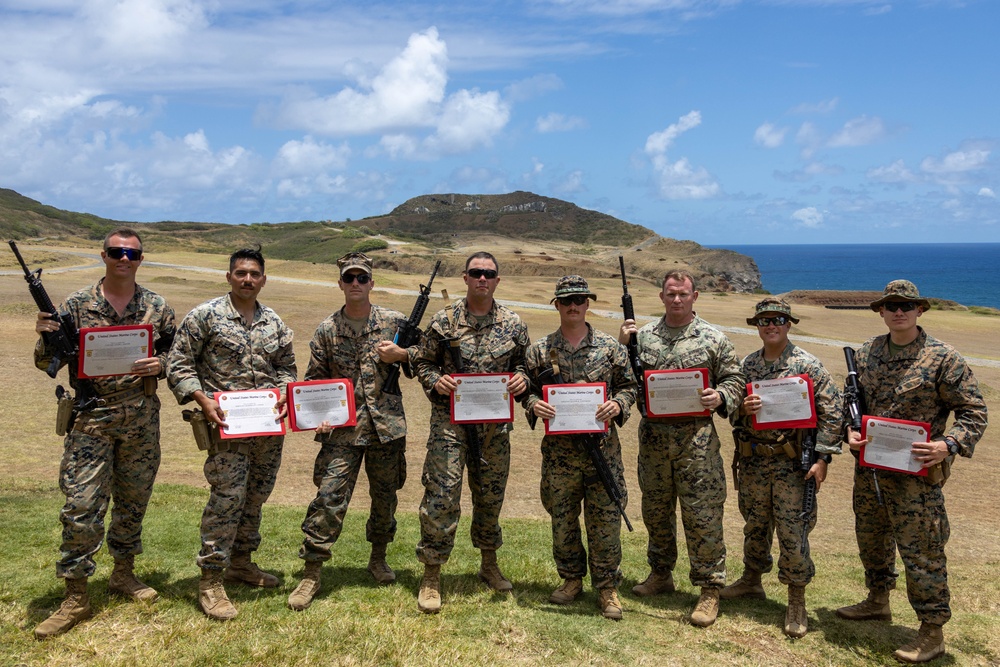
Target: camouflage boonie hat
572	285
900	290
772	305
355	260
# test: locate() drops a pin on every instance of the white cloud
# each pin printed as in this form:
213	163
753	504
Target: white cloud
533	87
987	192
142	28
570	184
678	179
769	136
809	139
659	142
957	162
309	157
557	122
897	172
469	120
808	217
822	107
860	131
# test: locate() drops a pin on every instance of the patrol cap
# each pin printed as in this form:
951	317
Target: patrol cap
901	290
772	304
355	260
571	286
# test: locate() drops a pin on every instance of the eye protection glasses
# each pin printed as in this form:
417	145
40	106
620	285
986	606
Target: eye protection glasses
489	274
133	254
362	278
576	300
779	320
905	306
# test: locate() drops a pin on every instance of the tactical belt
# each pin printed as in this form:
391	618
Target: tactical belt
768	449
674	420
123	395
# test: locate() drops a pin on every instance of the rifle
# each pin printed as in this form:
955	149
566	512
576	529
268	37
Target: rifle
809	495
408	333
628	312
855	406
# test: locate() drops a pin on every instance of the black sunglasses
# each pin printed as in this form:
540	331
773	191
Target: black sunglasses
576	300
362	278
489	274
905	306
779	320
133	254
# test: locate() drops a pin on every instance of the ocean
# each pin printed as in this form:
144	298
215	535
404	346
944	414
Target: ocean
968	273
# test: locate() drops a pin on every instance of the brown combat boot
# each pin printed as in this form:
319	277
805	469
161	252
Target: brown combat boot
377	566
242	570
212	596
307	589
657	583
567	592
123	581
429	597
74	608
490	574
747	586
928	644
796	618
611	606
873	608
707	609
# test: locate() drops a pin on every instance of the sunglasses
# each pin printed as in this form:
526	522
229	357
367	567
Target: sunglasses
362	278
489	274
576	300
133	254
779	320
905	306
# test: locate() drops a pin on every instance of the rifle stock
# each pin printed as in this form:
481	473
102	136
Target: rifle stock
628	312
855	406
809	494
408	333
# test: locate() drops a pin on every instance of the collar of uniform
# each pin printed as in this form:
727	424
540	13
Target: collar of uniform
690	329
561	342
467	316
234	314
100	304
880	348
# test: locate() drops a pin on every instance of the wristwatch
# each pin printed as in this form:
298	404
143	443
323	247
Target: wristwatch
825	458
953	447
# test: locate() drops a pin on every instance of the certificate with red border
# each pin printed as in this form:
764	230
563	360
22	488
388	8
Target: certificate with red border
676	392
312	402
889	444
250	413
107	351
784	402
481	398
576	407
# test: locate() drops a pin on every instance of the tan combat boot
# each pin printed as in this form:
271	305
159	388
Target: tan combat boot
747	586
124	582
490	574
707	609
380	569
212	596
657	583
873	608
796	618
928	644
611	606
242	570
74	608
307	589
567	592
429	597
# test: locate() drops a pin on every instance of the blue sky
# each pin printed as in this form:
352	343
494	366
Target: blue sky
721	121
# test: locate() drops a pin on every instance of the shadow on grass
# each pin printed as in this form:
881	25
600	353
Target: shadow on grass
872	640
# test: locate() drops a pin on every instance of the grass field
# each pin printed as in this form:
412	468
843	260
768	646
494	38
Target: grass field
355	623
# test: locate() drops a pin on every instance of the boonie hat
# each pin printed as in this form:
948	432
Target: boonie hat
901	290
571	286
355	260
772	304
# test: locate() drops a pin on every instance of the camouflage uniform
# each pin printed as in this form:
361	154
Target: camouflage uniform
494	345
111	452
924	381
679	456
379	439
215	350
568	476
772	486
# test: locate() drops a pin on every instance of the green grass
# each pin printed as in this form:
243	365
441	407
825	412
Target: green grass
355	622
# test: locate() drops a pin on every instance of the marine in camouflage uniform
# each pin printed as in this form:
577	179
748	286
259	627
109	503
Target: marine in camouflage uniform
679	457
576	352
111	452
771	483
490	338
351	343
233	343
910	375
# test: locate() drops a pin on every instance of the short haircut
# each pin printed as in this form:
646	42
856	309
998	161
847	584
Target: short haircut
482	254
125	233
680	276
247	253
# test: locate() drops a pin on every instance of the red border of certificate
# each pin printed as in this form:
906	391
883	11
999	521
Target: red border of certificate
510	399
148	328
222	432
645	388
864	435
576	385
290	390
789	423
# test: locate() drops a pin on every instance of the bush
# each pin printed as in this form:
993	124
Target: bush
369	245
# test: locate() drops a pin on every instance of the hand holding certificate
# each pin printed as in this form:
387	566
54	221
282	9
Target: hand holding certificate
481	398
107	351
784	403
315	402
676	393
250	413
576	407
889	444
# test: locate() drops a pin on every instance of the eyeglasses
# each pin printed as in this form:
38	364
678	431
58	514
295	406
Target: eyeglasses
362	278
779	320
905	306
133	254
489	274
576	300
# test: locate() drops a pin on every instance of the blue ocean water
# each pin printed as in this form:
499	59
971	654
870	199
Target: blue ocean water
968	273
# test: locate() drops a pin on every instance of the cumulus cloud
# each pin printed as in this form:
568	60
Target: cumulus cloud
769	136
956	162
557	122
808	217
142	28
987	192
570	184
296	158
860	131
678	179
897	172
